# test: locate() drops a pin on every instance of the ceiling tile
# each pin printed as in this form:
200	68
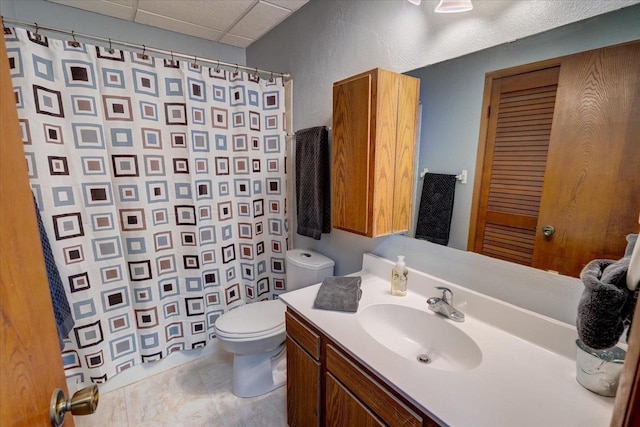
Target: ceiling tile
292	5
219	14
177	26
236	40
123	9
259	20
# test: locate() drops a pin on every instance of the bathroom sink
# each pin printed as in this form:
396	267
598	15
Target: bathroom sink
420	337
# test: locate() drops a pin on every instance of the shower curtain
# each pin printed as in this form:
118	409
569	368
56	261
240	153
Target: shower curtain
160	184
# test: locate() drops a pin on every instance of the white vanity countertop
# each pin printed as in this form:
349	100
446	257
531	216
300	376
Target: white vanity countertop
527	373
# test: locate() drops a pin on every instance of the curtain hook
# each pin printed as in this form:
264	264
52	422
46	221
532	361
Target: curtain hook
271	78
217	69
195	62
235	72
173	61
36	35
74	43
111	51
144	56
255	75
5	29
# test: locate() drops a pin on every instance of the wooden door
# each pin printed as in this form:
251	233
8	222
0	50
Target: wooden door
626	411
30	361
352	191
592	186
515	157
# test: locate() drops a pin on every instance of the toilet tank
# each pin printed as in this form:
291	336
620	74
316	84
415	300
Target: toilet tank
305	267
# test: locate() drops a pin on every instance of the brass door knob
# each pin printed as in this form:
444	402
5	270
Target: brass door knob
83	402
548	230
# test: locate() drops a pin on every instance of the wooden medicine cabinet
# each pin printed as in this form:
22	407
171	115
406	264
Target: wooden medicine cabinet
374	143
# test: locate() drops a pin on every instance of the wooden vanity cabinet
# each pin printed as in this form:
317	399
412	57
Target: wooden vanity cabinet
374	143
303	374
327	387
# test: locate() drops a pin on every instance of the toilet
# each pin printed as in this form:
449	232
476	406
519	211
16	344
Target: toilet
255	333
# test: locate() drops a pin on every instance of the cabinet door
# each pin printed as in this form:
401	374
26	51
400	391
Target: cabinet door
383	148
303	387
352	157
383	403
405	166
343	409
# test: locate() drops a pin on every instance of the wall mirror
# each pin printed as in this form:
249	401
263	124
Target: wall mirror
597	101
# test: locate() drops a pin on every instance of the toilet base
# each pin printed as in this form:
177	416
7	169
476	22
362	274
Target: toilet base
256	374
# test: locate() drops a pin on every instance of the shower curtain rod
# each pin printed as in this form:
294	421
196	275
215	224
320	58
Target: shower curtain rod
145	48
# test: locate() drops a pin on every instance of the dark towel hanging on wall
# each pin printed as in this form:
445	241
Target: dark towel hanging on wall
436	208
312	182
61	309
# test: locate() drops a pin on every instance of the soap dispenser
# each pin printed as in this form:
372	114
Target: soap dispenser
399	278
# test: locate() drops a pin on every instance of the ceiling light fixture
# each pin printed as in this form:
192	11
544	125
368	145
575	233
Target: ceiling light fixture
416	2
454	6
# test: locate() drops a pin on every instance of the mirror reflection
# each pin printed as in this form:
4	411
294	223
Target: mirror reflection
551	146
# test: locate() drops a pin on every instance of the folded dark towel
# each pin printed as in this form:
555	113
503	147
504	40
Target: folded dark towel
604	307
339	293
313	203
436	208
61	309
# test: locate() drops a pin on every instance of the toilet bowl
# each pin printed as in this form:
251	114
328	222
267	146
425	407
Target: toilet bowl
255	333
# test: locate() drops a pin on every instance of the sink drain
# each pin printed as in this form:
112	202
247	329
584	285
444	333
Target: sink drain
423	358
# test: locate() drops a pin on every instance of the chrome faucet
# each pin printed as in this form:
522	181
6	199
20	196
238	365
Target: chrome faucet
444	306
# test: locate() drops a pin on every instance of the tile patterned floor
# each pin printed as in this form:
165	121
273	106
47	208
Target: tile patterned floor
195	394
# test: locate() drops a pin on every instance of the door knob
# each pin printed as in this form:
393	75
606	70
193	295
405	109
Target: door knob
548	230
83	402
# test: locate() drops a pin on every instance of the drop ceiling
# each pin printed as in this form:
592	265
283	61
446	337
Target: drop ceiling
234	22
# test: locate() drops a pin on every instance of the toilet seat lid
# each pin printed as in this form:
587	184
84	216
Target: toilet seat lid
252	319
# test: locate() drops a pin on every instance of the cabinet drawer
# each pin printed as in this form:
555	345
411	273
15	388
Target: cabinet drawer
386	406
303	335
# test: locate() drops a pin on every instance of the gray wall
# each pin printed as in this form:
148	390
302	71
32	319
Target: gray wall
328	40
82	21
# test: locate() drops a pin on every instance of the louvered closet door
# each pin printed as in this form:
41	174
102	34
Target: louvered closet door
521	113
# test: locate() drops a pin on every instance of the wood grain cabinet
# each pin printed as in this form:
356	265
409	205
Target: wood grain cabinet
374	140
303	374
327	387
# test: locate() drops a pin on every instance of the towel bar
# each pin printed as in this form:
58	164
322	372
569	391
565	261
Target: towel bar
291	135
462	176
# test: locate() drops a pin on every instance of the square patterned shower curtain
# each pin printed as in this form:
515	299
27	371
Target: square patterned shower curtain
161	184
